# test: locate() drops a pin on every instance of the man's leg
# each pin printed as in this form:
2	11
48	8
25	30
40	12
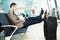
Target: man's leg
28	22
32	20
20	30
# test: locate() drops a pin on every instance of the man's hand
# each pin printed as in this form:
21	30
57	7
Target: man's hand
21	18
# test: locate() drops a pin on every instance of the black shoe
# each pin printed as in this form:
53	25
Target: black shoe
42	11
46	15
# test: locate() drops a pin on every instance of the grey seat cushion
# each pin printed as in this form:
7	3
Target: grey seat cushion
3	19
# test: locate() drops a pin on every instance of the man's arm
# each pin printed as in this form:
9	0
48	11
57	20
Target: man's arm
13	19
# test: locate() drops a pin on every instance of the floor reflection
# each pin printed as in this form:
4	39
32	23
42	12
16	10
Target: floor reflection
35	32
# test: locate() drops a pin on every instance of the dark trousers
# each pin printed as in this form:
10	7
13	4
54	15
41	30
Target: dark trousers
32	20
28	22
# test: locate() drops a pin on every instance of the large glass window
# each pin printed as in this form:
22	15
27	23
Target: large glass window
54	5
58	5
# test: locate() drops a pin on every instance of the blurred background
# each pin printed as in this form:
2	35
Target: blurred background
32	8
27	6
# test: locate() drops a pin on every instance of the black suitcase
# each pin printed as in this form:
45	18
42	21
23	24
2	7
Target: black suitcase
50	28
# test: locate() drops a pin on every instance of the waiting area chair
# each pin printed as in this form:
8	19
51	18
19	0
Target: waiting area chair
7	27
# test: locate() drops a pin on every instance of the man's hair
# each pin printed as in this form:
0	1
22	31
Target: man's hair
12	4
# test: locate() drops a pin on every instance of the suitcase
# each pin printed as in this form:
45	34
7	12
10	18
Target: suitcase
50	28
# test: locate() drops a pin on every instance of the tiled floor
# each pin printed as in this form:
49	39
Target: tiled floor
35	32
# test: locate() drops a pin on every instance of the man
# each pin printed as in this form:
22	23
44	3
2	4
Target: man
14	20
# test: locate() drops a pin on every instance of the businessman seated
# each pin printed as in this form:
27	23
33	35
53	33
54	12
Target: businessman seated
14	20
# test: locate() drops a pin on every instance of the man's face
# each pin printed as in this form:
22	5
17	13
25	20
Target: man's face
14	7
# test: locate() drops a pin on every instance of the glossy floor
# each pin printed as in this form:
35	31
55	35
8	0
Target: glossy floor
34	32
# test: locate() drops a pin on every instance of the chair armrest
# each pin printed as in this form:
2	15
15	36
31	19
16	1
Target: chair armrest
10	26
